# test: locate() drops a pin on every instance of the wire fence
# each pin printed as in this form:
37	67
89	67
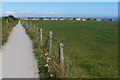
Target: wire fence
52	48
79	65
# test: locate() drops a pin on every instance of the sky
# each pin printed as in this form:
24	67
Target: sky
61	9
60	0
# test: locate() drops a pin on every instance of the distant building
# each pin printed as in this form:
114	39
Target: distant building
63	18
84	19
71	18
45	18
54	18
98	19
88	19
78	19
104	19
93	19
110	19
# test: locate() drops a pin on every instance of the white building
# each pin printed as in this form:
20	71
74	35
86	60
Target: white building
79	19
99	20
83	19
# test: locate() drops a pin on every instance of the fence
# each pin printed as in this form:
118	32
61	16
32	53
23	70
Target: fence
51	48
84	57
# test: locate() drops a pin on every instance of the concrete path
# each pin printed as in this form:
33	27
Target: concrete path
0	64
18	59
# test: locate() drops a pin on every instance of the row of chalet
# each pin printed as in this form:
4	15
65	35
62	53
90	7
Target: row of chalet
63	18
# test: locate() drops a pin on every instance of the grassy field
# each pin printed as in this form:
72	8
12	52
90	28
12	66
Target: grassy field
90	48
7	24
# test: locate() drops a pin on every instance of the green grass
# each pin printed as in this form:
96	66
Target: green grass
90	48
7	24
39	53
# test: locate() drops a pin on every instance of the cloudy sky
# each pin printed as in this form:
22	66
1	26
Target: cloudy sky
65	9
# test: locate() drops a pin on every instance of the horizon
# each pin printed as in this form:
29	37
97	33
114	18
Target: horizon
116	19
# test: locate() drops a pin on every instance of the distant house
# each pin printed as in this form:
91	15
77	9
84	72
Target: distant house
45	18
93	19
84	19
78	19
54	18
23	18
67	18
40	18
88	19
99	19
104	19
110	19
71	18
29	18
62	18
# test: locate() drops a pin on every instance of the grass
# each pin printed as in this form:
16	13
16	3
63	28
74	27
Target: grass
7	24
90	48
39	51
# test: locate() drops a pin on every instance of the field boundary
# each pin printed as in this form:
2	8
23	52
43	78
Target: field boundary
90	49
53	54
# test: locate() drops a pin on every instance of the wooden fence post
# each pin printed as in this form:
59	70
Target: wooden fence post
41	36
26	25
60	55
34	27
36	31
30	24
50	44
7	21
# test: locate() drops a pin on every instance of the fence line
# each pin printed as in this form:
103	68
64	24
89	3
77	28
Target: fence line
54	38
57	54
41	35
47	40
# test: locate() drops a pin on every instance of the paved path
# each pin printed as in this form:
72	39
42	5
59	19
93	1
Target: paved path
0	64
18	59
